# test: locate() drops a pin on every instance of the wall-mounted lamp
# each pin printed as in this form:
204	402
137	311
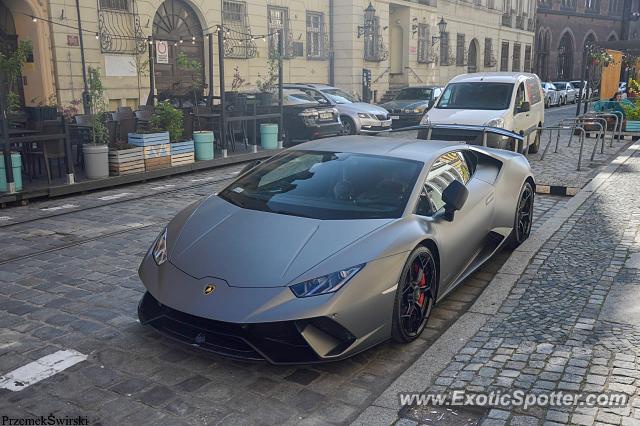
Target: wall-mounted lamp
369	20
414	26
442	27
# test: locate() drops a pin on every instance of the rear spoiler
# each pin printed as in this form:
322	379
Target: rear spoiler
450	129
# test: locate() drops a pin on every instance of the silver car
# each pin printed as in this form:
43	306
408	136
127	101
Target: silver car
551	95
357	117
566	91
333	246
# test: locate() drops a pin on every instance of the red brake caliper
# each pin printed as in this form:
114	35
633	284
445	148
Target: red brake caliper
422	284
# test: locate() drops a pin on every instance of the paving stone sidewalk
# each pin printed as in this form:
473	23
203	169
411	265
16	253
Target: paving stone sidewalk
570	323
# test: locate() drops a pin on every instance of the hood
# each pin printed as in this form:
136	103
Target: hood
249	248
357	107
464	116
408	104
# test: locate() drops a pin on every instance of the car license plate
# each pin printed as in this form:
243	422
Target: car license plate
326	116
395	117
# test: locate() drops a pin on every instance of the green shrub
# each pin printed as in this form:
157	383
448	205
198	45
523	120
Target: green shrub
168	118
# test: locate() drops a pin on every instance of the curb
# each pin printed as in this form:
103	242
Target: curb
564	191
384	410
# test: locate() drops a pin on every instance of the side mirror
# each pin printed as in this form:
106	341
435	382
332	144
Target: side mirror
525	107
249	166
454	197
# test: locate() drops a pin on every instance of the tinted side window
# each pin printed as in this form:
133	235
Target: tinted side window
520	97
447	168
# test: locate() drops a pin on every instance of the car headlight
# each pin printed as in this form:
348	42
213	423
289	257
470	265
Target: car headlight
496	122
363	115
424	121
160	248
327	284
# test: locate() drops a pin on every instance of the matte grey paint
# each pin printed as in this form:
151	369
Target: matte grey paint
252	257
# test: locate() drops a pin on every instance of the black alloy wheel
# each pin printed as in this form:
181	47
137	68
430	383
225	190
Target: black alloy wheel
524	216
415	296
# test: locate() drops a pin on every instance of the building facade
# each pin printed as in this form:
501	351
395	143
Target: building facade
565	27
325	41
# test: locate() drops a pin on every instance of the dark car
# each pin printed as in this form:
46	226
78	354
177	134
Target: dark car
305	119
410	104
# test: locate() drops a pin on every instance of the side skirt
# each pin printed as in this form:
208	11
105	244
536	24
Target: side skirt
493	241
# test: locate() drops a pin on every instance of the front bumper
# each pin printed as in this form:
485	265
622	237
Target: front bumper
279	342
472	138
271	324
406	120
371	126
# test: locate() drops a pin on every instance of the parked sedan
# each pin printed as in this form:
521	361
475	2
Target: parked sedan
333	246
568	93
551	95
581	84
357	117
410	104
305	119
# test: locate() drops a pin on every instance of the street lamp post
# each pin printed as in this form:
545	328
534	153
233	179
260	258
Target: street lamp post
442	28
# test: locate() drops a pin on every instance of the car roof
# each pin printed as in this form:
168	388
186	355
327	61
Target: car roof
314	85
496	77
422	86
411	149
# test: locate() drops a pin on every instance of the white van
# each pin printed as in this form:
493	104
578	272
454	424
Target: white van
509	100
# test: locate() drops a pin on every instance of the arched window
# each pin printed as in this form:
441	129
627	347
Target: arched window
543	42
565	57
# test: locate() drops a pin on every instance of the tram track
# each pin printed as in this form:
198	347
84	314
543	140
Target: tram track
114	202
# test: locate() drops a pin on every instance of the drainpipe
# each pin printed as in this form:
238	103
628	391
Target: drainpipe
85	93
332	73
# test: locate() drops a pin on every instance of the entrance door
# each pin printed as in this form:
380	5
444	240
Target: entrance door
177	23
396	52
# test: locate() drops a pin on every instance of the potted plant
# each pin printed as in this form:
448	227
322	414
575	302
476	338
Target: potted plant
96	153
165	125
167	117
268	84
631	116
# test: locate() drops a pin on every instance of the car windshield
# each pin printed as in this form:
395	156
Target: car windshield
414	93
327	185
339	96
549	86
476	95
560	84
577	84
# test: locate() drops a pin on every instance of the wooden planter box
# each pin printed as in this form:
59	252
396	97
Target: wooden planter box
182	153
126	161
156	149
632	126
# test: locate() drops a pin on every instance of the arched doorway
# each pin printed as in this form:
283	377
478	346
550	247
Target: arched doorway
472	56
177	23
565	57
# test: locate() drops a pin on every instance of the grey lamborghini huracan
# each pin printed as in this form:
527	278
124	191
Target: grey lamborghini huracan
333	246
